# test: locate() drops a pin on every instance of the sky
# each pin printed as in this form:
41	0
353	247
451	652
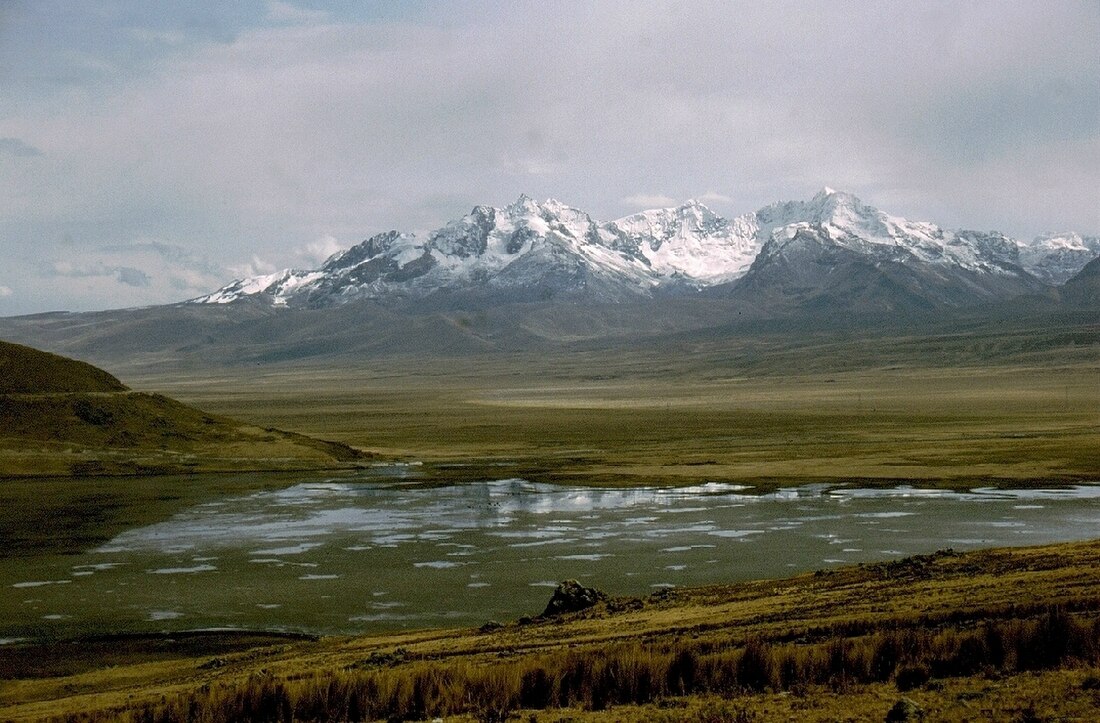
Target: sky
152	151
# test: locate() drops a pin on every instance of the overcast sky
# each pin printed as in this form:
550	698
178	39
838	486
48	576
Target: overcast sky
150	152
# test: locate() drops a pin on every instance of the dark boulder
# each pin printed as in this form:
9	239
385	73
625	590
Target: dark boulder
570	597
905	711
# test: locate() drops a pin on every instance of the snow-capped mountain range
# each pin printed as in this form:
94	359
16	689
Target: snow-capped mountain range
533	251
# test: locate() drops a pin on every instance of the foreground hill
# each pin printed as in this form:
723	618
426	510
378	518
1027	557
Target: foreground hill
24	370
1010	634
59	416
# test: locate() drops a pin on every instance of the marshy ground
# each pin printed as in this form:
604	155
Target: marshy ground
1007	634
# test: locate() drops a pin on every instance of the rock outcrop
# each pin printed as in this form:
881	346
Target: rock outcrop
570	597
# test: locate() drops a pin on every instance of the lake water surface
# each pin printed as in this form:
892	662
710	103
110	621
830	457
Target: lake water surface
371	554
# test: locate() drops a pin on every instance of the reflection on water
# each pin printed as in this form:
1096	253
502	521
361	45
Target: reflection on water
344	557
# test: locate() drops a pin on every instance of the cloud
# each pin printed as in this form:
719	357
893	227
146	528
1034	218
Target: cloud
255	267
127	275
249	129
650	200
715	197
132	277
5	292
315	253
148	271
18	148
285	12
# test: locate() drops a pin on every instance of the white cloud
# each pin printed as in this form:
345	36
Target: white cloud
650	200
255	267
715	197
5	291
143	272
285	12
314	253
302	125
18	148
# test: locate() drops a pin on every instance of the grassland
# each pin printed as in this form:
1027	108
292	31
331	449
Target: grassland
61	417
1019	408
660	418
1001	634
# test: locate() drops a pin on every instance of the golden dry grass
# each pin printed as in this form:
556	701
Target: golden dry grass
935	603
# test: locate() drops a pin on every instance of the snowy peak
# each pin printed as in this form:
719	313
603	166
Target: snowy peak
1056	258
688	242
533	250
841	219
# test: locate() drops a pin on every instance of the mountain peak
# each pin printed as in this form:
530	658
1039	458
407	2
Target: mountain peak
696	204
523	204
553	204
541	250
832	196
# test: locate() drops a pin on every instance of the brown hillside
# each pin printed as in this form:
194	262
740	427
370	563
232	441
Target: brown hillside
24	370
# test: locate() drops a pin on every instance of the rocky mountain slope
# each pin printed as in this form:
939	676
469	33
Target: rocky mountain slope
830	249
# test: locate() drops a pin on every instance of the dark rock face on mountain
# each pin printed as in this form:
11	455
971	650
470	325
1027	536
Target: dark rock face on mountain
813	269
1084	288
533	277
830	249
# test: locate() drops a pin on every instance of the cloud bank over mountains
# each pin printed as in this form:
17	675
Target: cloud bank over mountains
153	152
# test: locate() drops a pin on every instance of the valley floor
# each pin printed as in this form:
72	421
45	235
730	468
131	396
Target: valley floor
1009	634
666	419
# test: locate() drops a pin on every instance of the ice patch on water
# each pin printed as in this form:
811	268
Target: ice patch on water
318	577
734	534
282	563
536	533
40	583
182	570
440	564
289	550
155	615
542	543
99	566
477	584
588	558
687	548
381	617
708	489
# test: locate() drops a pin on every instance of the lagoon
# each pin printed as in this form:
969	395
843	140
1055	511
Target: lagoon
389	550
